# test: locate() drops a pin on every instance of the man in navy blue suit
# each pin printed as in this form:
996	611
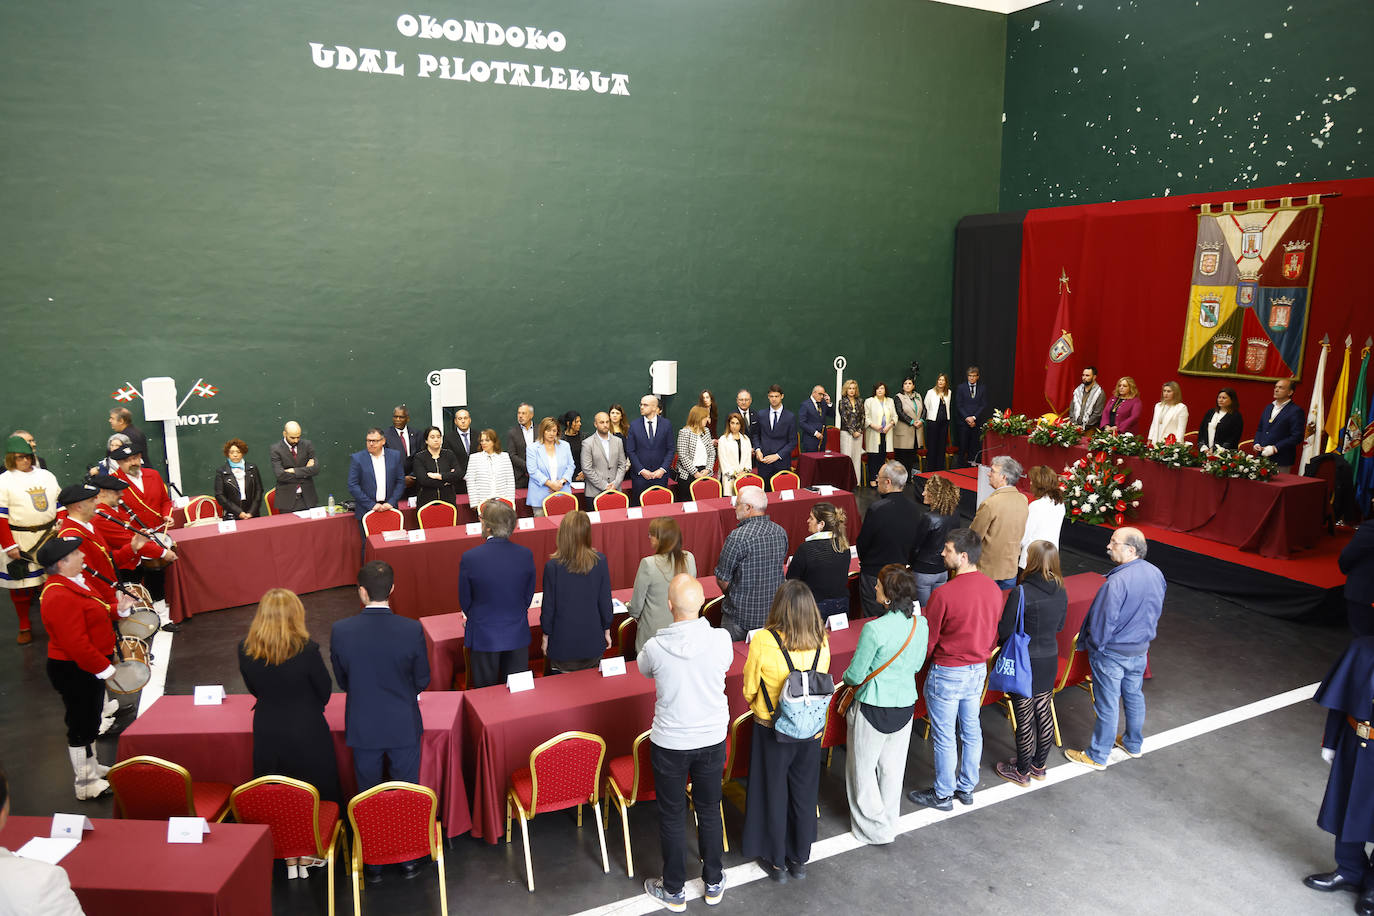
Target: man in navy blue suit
1281	427
401	438
811	419
777	436
495	590
650	447
376	475
749	417
970	403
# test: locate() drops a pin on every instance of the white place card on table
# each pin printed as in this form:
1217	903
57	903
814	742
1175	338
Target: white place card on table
410	503
749	637
824	489
70	826
302	513
46	849
689	507
416	535
610	667
538	600
854	550
209	695
180	502
525	524
474	528
617	605
319	512
228	525
634	512
785	495
837	622
578	487
186	829
594	517
395	535
522	681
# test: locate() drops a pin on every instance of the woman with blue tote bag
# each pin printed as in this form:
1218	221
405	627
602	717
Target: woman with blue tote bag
1046	604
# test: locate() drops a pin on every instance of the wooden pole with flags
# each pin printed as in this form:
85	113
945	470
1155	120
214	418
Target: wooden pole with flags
1354	426
1057	368
1335	417
1312	446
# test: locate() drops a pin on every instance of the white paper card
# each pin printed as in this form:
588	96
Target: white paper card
303	513
186	829
70	825
181	502
634	512
319	512
824	489
209	695
410	503
525	524
577	486
538	600
594	517
689	507
854	550
785	495
617	606
415	535
228	525
394	535
610	667
46	849
749	637
517	683
474	528
837	622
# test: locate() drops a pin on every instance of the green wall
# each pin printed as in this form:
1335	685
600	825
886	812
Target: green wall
1126	99
186	193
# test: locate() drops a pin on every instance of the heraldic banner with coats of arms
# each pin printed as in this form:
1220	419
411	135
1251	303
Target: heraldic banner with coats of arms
1251	290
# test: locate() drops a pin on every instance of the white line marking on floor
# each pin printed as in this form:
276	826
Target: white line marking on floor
161	650
846	842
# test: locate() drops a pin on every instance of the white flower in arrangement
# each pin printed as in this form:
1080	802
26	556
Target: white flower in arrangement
1137	485
1135	504
1092	497
1121	461
1091	478
1116	494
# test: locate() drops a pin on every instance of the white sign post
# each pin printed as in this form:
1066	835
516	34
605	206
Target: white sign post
840	363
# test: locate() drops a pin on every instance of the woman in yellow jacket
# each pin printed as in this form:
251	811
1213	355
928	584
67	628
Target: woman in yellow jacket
784	777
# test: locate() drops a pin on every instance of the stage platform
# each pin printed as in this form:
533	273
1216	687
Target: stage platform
1306	586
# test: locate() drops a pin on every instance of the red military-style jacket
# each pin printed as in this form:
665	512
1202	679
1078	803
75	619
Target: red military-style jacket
147	498
78	624
117	537
100	558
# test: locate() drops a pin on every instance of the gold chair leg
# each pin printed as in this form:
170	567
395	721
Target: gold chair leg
625	828
725	839
443	885
579	817
529	865
1054	717
507	820
600	835
329	874
353	872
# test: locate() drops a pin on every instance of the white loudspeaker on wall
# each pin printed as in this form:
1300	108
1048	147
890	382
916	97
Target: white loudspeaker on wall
159	399
663	376
447	388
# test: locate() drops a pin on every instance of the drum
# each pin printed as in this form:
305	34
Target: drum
165	541
142	623
131	671
140	593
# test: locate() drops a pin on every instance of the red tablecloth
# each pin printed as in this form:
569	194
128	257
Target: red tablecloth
501	728
124	867
216	743
1272	518
833	468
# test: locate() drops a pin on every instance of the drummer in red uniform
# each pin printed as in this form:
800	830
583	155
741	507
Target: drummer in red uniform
149	504
80	502
81	642
111	519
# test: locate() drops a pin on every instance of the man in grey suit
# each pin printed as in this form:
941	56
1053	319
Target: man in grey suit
294	466
603	458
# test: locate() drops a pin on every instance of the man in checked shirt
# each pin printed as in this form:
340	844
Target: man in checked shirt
750	567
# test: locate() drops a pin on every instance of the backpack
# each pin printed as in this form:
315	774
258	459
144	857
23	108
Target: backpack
803	700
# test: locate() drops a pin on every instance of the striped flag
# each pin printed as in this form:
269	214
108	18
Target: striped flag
1312	445
1336	416
1354	426
126	393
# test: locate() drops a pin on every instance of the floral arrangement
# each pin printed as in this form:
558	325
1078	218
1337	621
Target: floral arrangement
1060	431
1096	490
1239	464
1007	424
1117	443
1174	453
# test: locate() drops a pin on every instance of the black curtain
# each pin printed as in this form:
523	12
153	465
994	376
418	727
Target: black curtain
987	287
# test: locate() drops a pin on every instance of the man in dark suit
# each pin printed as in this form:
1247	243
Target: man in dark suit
777	436
294	467
1281	427
461	442
518	440
749	417
495	590
811	419
401	438
379	660
889	532
376	476
650	447
970	403
122	421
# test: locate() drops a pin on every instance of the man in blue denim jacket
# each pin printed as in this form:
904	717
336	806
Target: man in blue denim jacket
1117	632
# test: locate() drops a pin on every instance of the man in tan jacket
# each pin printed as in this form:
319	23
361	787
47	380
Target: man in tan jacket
1001	521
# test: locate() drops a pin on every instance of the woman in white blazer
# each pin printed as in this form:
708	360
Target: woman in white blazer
490	473
939	408
1171	415
880	416
734	452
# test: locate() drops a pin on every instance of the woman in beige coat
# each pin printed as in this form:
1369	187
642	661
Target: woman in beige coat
880	417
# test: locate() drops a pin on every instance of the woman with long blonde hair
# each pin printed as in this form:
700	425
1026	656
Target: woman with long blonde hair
576	612
282	667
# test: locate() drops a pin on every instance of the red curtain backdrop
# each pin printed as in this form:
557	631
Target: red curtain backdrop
1129	266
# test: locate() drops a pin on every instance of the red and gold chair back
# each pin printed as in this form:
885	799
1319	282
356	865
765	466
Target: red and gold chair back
836	731
656	496
269	500
785	480
201	509
711	610
152	789
630	779
705	488
611	499
396	822
626	635
559	504
437	514
741	742
301	824
748	480
499	499
377	521
564	771
832	438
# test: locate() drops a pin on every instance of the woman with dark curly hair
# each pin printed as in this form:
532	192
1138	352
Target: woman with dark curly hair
238	485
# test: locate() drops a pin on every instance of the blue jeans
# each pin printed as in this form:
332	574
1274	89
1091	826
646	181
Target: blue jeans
953	695
926	583
1116	682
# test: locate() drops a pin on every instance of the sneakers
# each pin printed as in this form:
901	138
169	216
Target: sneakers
676	903
1134	755
715	891
928	799
1037	773
1007	770
964	798
1081	757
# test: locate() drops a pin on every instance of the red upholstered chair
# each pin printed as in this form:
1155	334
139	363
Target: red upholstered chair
705	488
559	504
611	499
656	496
301	824
832	438
270	500
396	822
921	714
1074	671
748	480
711	610
201	509
153	789
836	732
378	520
437	514
564	771
785	480
626	635
921	454
630	779
499	499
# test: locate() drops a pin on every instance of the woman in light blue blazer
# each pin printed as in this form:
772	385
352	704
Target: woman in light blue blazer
549	460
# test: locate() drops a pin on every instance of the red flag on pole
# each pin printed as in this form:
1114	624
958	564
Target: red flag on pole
1058	381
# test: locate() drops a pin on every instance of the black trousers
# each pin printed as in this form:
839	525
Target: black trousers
876	459
970	443
560	665
937	440
780	809
673	770
83	697
487	669
403	763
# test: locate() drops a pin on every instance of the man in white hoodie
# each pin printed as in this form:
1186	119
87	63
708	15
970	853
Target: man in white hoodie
688	661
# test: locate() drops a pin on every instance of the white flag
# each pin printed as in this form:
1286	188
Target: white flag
1311	446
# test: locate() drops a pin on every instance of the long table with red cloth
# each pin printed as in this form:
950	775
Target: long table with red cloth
215	743
833	468
1272	518
123	867
427	571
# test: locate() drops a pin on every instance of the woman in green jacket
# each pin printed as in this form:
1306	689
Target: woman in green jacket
880	717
